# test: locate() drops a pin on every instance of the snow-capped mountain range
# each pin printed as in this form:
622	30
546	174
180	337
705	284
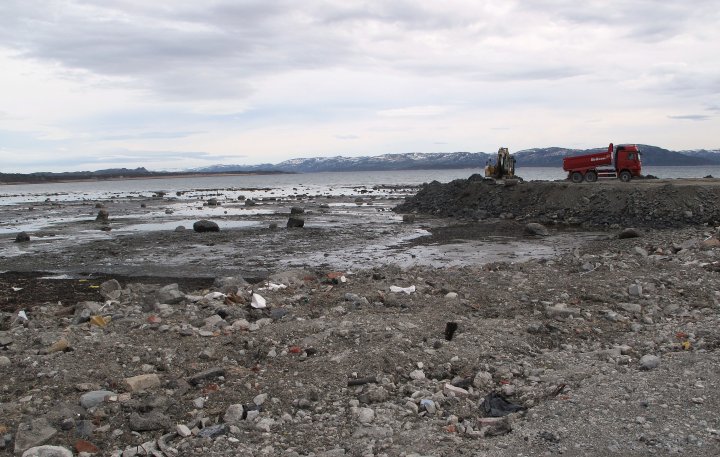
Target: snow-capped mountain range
536	157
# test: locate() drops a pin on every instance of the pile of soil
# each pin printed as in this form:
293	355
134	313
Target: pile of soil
640	203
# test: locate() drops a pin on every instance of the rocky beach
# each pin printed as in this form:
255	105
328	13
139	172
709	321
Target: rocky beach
465	318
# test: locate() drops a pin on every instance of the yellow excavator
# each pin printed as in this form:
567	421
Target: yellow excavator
504	166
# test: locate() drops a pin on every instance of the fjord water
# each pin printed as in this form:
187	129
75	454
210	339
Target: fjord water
330	183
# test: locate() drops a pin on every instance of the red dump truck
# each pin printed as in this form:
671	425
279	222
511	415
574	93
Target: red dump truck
622	162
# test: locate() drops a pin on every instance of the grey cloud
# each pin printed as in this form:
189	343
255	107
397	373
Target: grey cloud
692	117
643	20
215	50
149	135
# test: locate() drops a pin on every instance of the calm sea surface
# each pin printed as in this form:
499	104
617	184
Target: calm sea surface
327	183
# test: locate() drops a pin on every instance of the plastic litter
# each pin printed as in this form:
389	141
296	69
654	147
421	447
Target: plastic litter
17	289
258	301
496	405
407	290
274	287
100	321
22	315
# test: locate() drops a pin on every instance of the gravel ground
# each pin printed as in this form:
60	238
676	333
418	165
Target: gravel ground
607	347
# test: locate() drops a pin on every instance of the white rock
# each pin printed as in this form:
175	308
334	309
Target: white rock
183	430
233	414
260	399
483	380
417	374
449	389
47	451
265	424
365	415
649	362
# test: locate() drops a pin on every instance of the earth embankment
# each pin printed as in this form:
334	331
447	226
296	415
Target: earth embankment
645	203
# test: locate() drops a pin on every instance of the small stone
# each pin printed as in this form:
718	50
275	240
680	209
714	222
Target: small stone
91	399
365	415
561	311
4	361
213	431
483	380
260	399
183	430
649	362
631	307
417	375
451	295
153	420
635	290
234	414
22	237
640	251
449	389
265	424
142	382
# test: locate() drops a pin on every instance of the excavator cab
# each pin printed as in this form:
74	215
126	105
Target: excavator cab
504	166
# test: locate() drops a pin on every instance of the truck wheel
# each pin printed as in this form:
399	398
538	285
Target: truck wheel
576	177
591	176
625	176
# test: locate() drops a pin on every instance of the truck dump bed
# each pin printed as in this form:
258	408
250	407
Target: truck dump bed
587	161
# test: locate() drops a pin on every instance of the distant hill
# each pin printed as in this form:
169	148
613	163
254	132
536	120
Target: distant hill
406	161
111	173
536	157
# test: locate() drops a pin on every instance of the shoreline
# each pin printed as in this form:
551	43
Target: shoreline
132	178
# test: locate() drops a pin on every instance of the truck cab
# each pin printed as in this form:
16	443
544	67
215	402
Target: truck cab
627	158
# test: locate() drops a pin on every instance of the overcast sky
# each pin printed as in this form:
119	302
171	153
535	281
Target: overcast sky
89	84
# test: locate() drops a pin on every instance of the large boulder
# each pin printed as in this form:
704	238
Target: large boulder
111	289
169	294
32	434
205	226
628	233
296	221
230	284
103	215
296	210
533	228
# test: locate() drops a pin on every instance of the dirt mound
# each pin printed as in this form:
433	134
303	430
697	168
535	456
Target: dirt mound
656	203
